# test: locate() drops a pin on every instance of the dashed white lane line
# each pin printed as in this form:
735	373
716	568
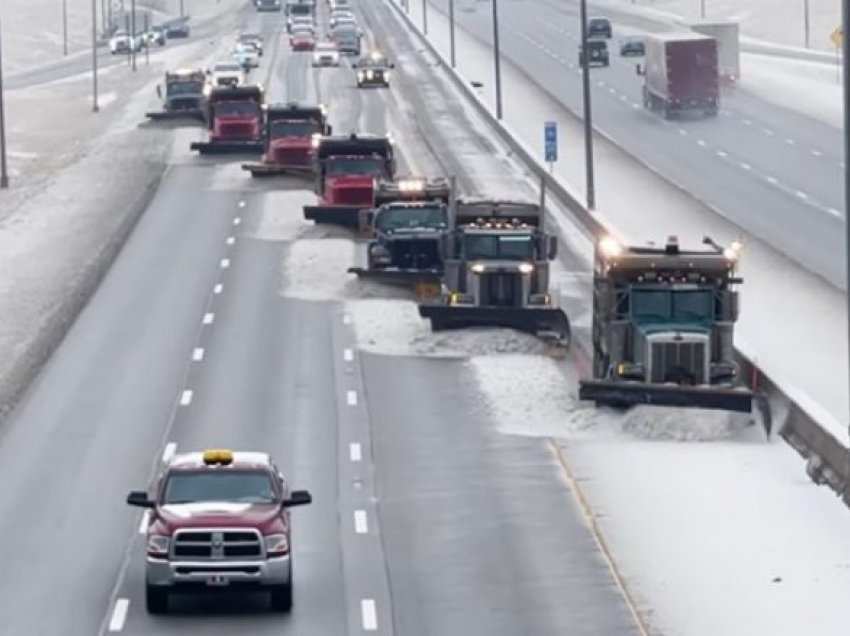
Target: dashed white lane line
836	213
198	354
746	122
186	398
355	454
683	132
225	263
169	452
746	166
790	142
119	615
816	153
218	288
720	153
351	398
369	615
208	318
700	142
145	520
772	180
361	523
347	355
767	131
346	319
230	240
237	221
241	204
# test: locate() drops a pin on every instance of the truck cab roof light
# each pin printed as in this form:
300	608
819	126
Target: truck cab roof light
218	457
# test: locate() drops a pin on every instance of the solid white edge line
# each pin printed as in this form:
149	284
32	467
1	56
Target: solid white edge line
355	453
218	288
802	195
346	319
198	354
168	452
369	615
772	180
119	615
225	263
186	398
834	212
347	355
351	398
208	318
143	522
361	522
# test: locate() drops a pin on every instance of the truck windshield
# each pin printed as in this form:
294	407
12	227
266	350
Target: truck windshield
493	246
230	109
395	218
371	166
184	88
280	129
233	486
301	9
673	305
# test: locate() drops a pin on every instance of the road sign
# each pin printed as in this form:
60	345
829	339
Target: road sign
550	139
837	36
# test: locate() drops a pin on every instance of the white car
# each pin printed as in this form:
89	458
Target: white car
342	17
228	73
247	56
326	54
300	23
123	42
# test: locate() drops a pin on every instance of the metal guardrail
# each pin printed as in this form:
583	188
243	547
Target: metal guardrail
827	459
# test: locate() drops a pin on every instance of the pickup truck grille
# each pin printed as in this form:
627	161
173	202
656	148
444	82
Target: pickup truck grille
679	361
216	545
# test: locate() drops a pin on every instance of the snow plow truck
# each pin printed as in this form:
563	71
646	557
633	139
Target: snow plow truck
235	121
184	96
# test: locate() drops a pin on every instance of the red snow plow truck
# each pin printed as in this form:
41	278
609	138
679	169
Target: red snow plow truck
235	121
292	132
347	171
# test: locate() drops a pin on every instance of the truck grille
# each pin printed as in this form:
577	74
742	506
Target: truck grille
682	361
237	131
355	195
291	156
217	544
185	103
501	289
415	253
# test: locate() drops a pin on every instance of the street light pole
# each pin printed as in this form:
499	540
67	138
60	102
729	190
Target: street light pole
425	16
806	22
4	172
845	51
95	108
133	34
588	122
497	63
702	8
64	27
452	31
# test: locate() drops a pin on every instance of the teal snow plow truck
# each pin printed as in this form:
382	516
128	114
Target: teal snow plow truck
663	324
184	96
496	271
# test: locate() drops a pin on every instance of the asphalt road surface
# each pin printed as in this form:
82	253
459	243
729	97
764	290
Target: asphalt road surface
425	520
773	172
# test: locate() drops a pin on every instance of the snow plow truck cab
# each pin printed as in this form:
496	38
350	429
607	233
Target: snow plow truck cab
663	325
348	169
292	132
496	263
183	97
235	121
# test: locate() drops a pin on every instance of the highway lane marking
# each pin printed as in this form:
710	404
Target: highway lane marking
720	153
612	90
836	213
347	355
241	204
747	122
145	520
346	319
186	398
230	240
361	523
700	142
225	263
369	615
198	354
790	142
816	153
772	180
768	132
351	398
635	105
209	317
169	452
801	194
237	221
119	615
218	288
746	166
600	83
354	452
682	131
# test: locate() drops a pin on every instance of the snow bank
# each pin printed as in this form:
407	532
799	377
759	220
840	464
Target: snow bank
317	269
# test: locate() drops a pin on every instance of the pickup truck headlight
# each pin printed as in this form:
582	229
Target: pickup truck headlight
277	544
158	544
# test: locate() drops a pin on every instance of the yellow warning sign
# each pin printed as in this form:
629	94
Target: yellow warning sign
837	37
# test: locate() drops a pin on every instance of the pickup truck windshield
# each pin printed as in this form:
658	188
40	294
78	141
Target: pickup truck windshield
338	166
395	218
232	486
293	129
492	246
672	305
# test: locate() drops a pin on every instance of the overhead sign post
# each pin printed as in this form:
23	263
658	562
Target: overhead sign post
550	143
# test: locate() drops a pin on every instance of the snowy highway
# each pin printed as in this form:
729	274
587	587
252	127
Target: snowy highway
772	171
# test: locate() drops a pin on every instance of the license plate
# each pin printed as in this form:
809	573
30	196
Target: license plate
217	580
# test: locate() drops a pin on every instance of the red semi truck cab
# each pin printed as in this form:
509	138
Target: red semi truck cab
290	133
218	520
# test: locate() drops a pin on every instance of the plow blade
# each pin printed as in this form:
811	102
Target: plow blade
342	215
272	169
543	321
633	393
420	279
176	115
228	147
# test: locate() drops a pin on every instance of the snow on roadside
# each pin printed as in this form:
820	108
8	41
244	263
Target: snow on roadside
317	269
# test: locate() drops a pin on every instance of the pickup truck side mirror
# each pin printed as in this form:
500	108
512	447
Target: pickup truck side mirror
639	69
297	498
159	91
139	499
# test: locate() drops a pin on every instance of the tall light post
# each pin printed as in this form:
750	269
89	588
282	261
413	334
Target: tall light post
497	60
702	8
4	172
590	186
95	108
425	16
806	23
845	51
133	34
452	31
64	27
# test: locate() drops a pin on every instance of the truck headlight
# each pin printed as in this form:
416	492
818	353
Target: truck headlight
369	74
360	76
158	544
277	544
526	268
379	253
477	268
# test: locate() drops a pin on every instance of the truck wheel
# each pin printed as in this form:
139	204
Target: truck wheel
281	597
646	102
667	112
156	599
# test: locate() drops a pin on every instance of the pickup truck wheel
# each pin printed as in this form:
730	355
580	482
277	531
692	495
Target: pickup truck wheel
281	597
156	599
